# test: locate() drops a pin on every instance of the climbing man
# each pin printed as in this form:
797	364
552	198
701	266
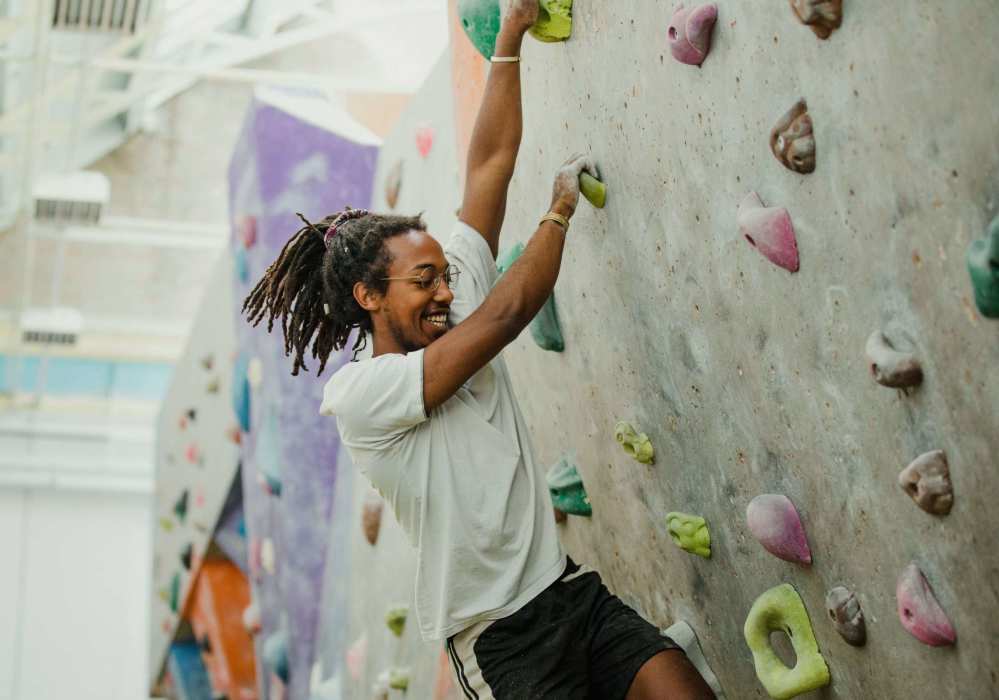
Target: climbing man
432	421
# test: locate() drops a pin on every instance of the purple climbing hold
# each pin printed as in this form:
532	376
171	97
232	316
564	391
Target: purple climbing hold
689	33
775	522
919	611
770	231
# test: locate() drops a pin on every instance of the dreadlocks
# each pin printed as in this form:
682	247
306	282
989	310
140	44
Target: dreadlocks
311	287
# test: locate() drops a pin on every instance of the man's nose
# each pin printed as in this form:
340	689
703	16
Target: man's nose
444	295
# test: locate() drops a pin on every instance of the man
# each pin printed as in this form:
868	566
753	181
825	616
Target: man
432	421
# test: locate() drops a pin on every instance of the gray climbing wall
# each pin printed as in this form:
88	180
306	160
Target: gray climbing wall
747	378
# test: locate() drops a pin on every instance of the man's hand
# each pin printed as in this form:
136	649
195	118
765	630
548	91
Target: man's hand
520	15
565	191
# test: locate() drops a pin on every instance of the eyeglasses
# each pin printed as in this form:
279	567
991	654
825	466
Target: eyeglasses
429	281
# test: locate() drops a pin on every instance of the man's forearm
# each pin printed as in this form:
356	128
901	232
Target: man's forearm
499	124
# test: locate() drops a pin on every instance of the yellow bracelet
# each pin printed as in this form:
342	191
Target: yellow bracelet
557	218
505	59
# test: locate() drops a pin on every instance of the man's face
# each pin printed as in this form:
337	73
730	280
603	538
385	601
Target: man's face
412	315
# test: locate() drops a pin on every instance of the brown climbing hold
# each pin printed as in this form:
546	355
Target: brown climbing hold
393	183
844	610
889	367
927	481
792	141
822	16
371	517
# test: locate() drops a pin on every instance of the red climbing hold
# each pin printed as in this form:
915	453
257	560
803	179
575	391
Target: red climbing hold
689	33
770	231
775	522
919	611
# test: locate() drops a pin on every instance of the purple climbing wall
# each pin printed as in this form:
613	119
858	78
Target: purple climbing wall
287	162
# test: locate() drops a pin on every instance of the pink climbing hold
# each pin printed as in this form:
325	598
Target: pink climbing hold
192	454
770	231
919	611
424	140
689	33
775	522
248	231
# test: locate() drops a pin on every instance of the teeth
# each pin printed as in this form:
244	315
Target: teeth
439	320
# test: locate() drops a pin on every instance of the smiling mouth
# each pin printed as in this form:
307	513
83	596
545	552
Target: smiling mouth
438	320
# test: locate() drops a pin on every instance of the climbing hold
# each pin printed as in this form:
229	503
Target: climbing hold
554	21
371	516
251	618
192	414
769	230
192	454
241	392
689	33
276	654
393	183
213	386
636	445
253	557
823	16
248	231
566	488
919	611
180	506
780	609
594	190
481	21
166	524
792	141
255	372
399	678
175	591
355	656
208	361
242	265
889	367
927	481
199	498
182	422
690	533
270	465
775	522
844	610
234	434
545	328
424	139
983	266
185	556
268	559
395	618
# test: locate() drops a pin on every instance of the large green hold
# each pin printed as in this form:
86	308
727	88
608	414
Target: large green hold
690	533
566	488
554	21
780	610
545	328
481	21
983	265
594	190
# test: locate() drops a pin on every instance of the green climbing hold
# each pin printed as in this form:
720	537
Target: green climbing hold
566	488
395	618
780	610
180	507
175	591
983	265
594	190
554	21
636	445
690	532
481	21
398	678
545	328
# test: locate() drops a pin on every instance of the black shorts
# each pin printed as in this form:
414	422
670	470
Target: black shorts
574	640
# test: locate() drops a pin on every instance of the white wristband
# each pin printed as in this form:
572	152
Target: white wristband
505	59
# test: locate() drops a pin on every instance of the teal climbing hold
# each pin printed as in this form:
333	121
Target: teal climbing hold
241	392
554	21
983	266
594	190
566	488
276	654
481	21
185	556
180	507
690	533
545	327
269	462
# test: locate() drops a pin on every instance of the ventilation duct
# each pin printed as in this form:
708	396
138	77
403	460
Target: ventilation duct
72	197
117	16
51	326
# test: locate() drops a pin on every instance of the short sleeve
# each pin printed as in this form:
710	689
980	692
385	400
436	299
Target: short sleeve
468	251
376	400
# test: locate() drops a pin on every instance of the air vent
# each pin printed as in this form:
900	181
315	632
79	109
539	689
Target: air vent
71	197
119	16
53	326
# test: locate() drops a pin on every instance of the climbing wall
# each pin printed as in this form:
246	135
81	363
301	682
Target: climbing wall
302	154
750	379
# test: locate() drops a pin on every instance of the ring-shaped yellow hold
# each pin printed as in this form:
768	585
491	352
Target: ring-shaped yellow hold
781	610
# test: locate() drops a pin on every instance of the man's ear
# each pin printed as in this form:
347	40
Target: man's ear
366	297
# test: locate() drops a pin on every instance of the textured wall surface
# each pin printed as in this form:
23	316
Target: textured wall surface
749	379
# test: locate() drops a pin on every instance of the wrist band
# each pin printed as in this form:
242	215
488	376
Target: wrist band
557	218
505	59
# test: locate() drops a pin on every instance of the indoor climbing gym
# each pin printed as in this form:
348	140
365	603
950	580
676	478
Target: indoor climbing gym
499	350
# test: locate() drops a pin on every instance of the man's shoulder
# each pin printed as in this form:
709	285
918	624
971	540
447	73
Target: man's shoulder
352	382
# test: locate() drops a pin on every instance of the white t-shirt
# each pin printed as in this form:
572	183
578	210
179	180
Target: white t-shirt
463	483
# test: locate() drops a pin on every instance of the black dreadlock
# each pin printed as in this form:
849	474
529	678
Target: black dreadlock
312	288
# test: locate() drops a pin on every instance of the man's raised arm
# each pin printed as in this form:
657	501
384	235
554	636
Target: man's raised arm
492	152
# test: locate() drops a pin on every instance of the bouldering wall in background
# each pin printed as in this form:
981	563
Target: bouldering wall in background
296	154
749	379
